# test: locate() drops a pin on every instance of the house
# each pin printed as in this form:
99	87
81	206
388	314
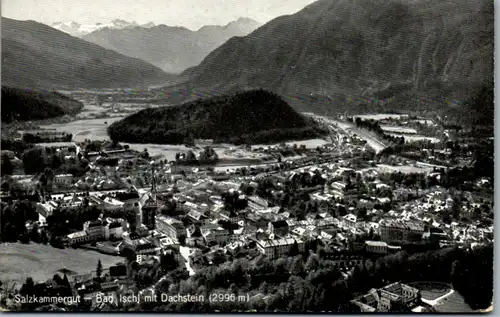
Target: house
396	297
63	180
338	189
113	230
401	231
134	240
111	204
377	247
279	228
169	243
350	220
197	217
64	148
279	247
230	216
46	209
256	203
364	203
94	229
173	228
78	237
214	233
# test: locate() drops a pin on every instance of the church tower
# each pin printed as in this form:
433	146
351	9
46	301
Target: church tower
150	208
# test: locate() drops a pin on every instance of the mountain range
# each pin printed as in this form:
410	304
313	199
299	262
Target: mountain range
173	49
35	55
76	29
362	47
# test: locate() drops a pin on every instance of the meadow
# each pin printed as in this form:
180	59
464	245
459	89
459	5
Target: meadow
19	261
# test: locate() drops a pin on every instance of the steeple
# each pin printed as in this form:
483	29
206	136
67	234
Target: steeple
153	181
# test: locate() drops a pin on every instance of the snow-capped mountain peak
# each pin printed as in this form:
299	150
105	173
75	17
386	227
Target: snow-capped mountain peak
79	30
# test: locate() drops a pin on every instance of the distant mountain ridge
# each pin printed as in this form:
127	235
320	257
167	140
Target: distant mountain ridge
76	29
35	55
363	47
172	49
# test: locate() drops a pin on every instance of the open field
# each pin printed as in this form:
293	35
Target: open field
415	138
405	169
94	129
310	144
396	129
380	116
168	151
19	261
454	303
432	290
442	297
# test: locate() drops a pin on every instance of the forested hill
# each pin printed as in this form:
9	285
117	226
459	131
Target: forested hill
250	117
27	104
36	55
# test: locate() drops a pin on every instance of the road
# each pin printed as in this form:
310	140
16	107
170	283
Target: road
349	128
185	252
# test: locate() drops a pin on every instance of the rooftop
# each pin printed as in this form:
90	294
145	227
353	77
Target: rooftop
278	242
411	225
56	144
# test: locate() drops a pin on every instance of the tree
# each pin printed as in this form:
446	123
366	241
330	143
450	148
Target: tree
312	263
43	237
28	287
33	161
99	270
297	267
190	156
57	278
6	167
34	236
294	249
56	162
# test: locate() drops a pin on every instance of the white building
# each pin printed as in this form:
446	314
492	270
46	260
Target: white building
279	247
215	233
378	247
63	180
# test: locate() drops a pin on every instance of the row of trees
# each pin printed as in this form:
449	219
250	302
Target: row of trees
314	283
160	136
207	156
35	162
14	217
374	126
33	138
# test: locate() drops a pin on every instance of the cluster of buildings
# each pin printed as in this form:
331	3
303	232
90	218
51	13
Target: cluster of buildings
358	214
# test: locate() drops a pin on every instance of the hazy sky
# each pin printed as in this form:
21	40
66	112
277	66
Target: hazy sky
188	13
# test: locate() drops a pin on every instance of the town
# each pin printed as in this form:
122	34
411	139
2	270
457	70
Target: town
377	194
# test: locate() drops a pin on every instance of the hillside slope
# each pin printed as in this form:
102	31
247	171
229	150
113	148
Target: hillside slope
172	49
250	117
360	46
26	104
36	55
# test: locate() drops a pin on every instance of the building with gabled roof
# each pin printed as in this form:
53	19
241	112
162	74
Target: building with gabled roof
395	297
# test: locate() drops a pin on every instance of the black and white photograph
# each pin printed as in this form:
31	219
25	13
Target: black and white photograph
247	156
